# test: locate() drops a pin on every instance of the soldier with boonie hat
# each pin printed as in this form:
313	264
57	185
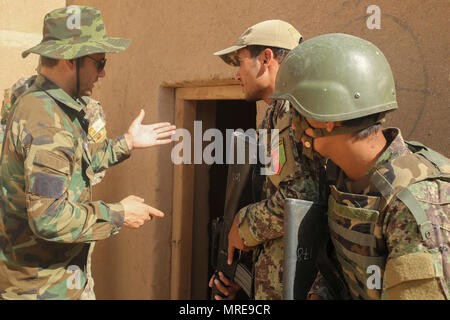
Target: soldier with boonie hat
49	223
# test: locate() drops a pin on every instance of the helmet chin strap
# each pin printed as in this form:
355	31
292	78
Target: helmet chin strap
337	130
308	141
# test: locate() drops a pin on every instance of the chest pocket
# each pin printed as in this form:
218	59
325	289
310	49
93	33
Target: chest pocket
357	237
85	153
81	183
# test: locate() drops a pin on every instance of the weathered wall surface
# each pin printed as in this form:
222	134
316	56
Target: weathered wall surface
172	44
20	29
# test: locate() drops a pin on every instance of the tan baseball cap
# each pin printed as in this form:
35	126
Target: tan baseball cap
271	33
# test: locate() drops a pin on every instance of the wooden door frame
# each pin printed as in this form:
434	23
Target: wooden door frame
183	182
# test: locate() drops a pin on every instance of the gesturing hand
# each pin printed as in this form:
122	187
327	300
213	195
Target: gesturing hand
136	212
141	136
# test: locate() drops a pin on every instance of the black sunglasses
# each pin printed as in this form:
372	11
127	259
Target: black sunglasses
100	63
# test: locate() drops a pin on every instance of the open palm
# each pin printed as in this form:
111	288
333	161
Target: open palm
144	136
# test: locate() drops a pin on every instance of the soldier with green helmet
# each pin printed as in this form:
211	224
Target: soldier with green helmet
258	53
389	204
49	223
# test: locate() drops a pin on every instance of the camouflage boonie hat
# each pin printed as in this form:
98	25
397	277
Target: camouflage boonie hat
74	32
270	33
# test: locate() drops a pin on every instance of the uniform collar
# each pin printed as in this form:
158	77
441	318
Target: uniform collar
396	147
57	93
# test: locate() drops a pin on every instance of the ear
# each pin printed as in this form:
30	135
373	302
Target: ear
69	64
267	56
329	126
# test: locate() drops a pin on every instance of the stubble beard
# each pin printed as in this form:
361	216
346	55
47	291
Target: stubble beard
254	96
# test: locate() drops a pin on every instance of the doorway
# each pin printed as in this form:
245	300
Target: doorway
210	184
199	190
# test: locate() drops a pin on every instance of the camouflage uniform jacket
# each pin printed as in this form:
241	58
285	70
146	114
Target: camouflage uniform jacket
10	96
93	114
48	220
415	268
262	224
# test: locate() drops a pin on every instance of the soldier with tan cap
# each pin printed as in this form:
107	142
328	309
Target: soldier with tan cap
258	53
261	48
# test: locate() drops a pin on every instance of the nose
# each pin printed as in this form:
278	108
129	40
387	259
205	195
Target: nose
102	74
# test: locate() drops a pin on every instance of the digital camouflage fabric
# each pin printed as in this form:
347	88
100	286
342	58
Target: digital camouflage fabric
262	224
388	245
74	32
48	220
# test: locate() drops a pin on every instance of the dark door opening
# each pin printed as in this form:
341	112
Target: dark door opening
210	184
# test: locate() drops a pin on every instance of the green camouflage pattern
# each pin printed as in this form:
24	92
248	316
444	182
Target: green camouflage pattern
94	115
94	112
74	32
48	219
12	94
262	223
9	98
373	227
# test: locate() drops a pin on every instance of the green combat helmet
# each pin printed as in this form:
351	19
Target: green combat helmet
336	77
74	32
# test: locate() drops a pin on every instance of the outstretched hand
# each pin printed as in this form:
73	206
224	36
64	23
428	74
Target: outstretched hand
141	136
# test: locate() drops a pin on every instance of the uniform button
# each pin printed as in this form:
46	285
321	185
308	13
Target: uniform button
308	144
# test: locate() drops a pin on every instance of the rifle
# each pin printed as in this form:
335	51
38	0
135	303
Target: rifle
238	194
305	228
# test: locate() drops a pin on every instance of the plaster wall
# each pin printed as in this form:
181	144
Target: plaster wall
20	29
172	46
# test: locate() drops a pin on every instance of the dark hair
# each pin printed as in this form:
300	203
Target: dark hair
366	132
48	62
279	53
